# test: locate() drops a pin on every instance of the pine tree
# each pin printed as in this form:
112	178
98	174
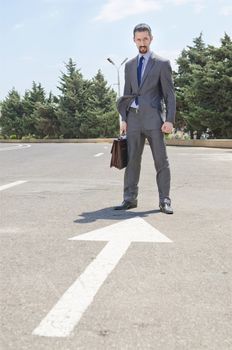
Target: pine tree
30	99
46	122
101	115
214	90
11	115
204	87
72	101
212	86
103	97
192	58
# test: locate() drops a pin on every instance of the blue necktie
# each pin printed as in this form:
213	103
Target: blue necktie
139	74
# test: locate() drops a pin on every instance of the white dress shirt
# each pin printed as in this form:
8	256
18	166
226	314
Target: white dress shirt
145	61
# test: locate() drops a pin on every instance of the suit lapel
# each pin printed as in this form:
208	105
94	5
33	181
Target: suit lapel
134	69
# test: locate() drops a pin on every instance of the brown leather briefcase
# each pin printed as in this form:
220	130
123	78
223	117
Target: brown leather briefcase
119	153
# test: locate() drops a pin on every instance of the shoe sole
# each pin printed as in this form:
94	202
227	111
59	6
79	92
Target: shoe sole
165	212
131	207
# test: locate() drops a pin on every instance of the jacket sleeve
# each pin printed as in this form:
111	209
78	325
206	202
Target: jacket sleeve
124	101
127	84
168	91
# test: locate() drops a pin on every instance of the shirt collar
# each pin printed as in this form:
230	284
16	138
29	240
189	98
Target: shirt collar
146	55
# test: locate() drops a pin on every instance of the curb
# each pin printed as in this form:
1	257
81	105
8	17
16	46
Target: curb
214	143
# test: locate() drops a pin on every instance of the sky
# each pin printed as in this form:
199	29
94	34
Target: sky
38	37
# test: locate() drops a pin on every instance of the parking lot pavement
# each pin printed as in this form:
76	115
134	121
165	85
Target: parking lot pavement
75	274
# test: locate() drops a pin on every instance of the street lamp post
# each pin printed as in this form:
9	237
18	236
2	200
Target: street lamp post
118	77
117	68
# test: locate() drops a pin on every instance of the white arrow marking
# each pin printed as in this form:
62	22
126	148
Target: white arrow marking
98	155
68	311
15	147
12	184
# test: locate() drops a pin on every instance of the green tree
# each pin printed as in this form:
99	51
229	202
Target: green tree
46	122
190	59
101	117
12	115
72	101
30	100
204	87
213	91
103	97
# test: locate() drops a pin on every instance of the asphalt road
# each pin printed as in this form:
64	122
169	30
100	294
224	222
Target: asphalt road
160	296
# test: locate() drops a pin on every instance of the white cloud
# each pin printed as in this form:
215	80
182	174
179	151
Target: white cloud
26	58
198	8
116	10
179	2
226	10
18	26
198	5
52	15
57	1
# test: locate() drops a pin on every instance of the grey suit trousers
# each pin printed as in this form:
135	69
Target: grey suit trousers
135	143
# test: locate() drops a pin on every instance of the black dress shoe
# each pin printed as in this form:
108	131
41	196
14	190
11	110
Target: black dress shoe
126	205
165	206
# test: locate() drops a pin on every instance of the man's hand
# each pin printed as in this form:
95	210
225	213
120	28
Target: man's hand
123	128
167	127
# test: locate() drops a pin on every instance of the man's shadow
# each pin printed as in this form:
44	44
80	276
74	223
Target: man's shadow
111	214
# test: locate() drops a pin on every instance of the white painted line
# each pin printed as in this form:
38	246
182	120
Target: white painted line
223	156
12	184
65	315
15	147
98	155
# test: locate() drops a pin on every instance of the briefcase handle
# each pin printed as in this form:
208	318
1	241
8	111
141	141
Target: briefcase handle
122	137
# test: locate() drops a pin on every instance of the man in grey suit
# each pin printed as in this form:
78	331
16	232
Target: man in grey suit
147	108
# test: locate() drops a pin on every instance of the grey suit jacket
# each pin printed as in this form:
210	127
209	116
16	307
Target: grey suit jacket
156	94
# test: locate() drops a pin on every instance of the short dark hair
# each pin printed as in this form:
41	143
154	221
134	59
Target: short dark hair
142	27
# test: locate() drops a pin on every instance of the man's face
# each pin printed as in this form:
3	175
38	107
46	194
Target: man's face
143	41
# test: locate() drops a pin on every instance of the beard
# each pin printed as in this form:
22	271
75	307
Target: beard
143	49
